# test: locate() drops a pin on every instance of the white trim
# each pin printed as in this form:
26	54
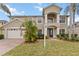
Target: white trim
58	18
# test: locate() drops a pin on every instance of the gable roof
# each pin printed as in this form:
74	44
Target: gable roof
53	5
49	7
9	23
28	16
3	21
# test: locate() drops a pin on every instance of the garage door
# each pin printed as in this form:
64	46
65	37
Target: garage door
13	33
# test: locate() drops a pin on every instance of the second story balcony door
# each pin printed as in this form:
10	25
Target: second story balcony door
51	20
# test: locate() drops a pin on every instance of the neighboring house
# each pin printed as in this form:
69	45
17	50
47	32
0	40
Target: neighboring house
2	22
55	23
76	24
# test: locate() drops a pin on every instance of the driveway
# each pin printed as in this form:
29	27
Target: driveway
8	44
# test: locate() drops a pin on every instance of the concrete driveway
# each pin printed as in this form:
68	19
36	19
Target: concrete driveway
8	44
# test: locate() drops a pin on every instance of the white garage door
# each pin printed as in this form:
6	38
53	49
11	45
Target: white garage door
13	33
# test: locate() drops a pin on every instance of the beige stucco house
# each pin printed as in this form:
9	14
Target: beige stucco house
75	30
50	23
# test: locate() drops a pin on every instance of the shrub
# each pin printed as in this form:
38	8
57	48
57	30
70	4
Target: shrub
74	37
57	36
66	36
63	36
40	36
77	39
30	31
1	36
60	36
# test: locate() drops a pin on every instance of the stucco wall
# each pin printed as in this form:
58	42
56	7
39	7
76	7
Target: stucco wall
25	18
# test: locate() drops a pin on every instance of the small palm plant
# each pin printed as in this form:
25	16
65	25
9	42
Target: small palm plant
30	31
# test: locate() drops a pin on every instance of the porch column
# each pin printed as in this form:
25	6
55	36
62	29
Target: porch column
57	30
54	33
45	26
58	18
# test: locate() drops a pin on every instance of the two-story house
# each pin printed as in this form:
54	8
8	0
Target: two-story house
50	23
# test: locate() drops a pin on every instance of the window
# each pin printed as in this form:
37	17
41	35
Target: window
11	29
14	29
2	23
39	21
40	32
62	31
62	20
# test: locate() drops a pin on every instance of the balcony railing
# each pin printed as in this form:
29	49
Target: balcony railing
51	21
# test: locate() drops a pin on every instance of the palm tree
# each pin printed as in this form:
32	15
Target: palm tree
72	9
5	8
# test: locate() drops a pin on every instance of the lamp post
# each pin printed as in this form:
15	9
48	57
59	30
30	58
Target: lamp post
44	35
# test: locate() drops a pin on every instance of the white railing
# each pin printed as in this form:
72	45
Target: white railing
51	21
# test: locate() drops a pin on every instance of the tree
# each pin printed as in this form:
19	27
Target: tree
72	9
30	31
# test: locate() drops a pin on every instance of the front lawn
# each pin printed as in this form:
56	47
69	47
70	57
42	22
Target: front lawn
54	47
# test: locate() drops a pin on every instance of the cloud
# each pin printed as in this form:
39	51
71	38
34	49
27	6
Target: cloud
77	18
22	11
39	7
14	11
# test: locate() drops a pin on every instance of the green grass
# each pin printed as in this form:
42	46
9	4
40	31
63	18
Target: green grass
53	48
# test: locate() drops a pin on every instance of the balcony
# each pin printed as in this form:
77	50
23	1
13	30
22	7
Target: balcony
52	22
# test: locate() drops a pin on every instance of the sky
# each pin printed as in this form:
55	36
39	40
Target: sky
27	9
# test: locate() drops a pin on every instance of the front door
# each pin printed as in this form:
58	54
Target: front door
50	32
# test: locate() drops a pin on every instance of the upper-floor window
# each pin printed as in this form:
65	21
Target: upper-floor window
62	20
39	21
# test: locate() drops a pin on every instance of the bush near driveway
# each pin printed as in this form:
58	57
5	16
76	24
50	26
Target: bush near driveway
1	36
